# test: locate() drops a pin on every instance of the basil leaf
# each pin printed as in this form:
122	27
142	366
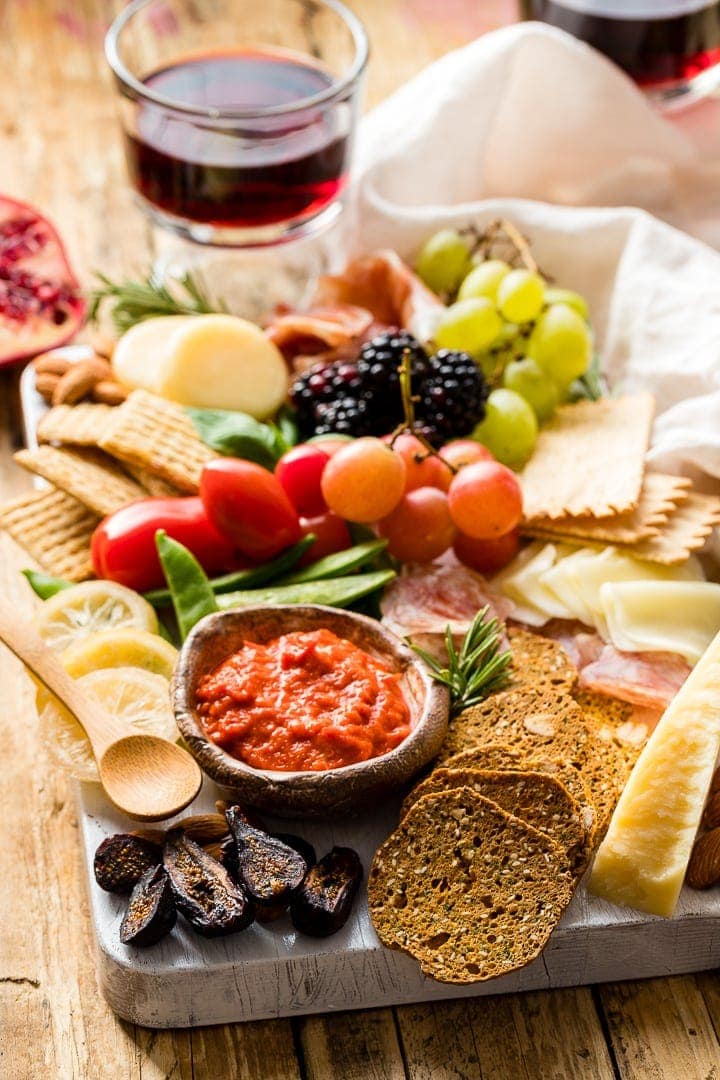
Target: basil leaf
286	423
235	434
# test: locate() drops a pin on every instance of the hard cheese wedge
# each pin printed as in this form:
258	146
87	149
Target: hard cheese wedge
642	861
662	616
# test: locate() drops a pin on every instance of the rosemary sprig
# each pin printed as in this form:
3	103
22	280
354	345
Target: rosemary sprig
133	301
479	669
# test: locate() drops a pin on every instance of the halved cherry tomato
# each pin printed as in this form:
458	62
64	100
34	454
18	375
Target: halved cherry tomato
123	545
331	532
300	472
247	504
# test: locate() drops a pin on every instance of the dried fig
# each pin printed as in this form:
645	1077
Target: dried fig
303	847
270	870
151	912
204	892
325	898
122	859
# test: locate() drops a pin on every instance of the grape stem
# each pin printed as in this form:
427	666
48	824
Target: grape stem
407	424
497	230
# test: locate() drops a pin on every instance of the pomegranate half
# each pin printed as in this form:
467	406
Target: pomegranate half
41	305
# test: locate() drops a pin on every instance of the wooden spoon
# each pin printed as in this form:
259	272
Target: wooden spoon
146	777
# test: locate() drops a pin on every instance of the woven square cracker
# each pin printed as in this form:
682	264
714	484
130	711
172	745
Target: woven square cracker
89	475
155	434
154	485
55	529
75	425
686	531
659	497
589	459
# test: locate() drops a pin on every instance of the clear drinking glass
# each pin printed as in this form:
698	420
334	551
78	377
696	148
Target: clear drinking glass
238	115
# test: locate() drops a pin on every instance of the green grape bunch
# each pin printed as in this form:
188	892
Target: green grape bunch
532	340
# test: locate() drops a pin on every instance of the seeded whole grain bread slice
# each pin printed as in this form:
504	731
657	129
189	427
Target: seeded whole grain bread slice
536	798
539	662
532	721
614	721
470	891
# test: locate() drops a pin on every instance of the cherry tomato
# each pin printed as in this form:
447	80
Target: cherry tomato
247	505
419	528
487	556
332	535
422	467
123	545
485	500
300	472
461	452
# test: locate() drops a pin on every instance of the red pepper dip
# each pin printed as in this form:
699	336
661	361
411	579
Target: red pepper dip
306	701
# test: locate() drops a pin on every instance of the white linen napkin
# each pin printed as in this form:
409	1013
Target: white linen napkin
530	113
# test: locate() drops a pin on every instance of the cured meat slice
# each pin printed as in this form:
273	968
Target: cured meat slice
579	643
427	598
322	334
386	286
648	679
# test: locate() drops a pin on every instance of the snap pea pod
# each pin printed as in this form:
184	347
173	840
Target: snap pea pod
45	585
190	590
337	564
245	579
334	592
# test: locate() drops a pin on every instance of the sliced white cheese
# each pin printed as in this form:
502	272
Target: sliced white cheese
224	362
561	582
641	863
522	582
140	351
662	616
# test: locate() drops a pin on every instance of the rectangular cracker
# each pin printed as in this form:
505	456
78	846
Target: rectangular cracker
89	475
659	498
55	529
155	434
686	531
589	459
75	425
154	485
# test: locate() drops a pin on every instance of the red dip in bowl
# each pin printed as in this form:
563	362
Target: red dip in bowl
305	701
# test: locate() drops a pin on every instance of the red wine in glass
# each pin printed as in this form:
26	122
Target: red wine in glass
662	44
257	171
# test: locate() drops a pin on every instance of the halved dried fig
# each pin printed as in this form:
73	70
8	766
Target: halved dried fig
325	898
270	870
122	859
302	846
204	892
151	912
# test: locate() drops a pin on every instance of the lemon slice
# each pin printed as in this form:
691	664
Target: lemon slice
126	647
139	697
84	609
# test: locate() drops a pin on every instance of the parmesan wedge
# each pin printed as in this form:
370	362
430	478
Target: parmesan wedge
641	863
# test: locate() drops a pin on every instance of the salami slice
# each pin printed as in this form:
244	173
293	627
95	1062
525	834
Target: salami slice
650	679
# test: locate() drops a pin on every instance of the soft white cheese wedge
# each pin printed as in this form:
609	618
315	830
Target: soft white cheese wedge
223	362
521	581
561	582
641	863
662	616
140	351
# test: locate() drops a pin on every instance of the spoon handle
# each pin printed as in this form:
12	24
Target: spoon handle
101	728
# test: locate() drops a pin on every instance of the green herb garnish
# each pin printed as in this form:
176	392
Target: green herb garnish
136	300
479	669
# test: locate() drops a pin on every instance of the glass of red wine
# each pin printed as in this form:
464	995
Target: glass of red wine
671	48
238	115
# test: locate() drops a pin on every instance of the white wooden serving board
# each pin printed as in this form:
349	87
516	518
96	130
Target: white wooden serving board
271	970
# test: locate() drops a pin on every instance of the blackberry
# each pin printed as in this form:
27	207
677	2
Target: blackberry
452	397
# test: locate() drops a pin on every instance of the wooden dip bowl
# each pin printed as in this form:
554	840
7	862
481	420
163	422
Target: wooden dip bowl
350	788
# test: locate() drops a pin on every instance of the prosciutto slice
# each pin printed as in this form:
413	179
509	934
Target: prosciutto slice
650	679
428	598
321	334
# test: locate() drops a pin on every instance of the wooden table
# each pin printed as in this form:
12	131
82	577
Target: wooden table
59	148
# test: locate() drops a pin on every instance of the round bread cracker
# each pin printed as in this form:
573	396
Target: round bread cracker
467	889
539	662
536	798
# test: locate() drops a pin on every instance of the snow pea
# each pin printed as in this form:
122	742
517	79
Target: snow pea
190	590
333	592
337	564
45	585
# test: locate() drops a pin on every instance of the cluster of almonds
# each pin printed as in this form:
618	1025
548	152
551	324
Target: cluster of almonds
704	866
207	830
61	381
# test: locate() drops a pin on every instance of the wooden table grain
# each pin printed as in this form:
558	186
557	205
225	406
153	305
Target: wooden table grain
59	148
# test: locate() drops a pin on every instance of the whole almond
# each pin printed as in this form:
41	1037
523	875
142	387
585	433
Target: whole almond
704	865
108	392
45	383
711	814
47	364
204	828
79	380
